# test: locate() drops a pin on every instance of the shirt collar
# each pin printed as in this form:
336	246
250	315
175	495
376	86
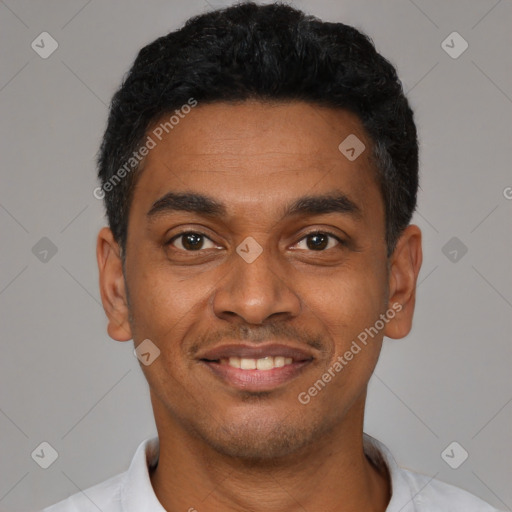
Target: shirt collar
137	494
402	499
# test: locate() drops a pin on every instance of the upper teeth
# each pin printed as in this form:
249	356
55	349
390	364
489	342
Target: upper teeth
265	363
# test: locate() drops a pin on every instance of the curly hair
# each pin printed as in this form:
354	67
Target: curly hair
265	52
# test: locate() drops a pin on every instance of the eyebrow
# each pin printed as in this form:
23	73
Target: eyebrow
209	207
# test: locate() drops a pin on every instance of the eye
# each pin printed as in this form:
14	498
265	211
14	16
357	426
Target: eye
320	241
191	241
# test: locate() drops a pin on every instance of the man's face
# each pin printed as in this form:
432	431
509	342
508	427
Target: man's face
193	294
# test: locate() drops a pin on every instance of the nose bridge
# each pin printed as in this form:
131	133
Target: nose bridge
254	287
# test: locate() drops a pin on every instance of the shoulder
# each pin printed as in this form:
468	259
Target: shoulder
432	495
416	492
105	496
130	490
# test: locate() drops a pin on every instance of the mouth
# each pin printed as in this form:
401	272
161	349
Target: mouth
269	367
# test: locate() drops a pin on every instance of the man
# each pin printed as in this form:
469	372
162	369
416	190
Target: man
259	171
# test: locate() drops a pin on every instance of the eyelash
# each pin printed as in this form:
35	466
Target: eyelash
317	232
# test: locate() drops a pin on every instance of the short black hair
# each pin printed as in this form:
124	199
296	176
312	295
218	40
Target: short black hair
269	53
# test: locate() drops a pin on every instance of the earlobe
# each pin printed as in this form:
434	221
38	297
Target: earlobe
112	286
405	266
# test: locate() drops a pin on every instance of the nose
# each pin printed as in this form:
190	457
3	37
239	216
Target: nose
255	291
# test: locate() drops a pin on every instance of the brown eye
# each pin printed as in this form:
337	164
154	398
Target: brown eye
320	241
191	241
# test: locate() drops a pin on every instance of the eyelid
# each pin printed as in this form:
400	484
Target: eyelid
341	241
317	231
187	232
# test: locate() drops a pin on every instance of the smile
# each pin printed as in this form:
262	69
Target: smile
263	374
261	367
264	363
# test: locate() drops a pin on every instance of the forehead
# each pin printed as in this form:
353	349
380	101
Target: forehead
255	154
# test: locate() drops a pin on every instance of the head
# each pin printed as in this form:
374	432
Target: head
264	131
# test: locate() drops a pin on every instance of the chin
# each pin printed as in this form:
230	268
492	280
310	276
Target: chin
260	445
258	439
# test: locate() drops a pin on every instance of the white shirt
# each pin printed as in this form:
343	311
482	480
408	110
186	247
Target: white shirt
132	491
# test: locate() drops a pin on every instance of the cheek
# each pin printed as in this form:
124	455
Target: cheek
165	309
348	300
163	304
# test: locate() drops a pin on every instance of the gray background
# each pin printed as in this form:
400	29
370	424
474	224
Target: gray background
64	381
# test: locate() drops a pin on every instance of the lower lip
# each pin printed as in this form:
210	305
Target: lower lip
257	380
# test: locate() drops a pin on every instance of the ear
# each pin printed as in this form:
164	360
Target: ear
112	286
404	267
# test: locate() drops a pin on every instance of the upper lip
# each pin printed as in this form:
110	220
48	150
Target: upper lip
255	352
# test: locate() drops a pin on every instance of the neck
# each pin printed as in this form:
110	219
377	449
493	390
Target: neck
333	472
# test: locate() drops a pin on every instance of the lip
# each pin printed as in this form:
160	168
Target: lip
256	352
256	380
